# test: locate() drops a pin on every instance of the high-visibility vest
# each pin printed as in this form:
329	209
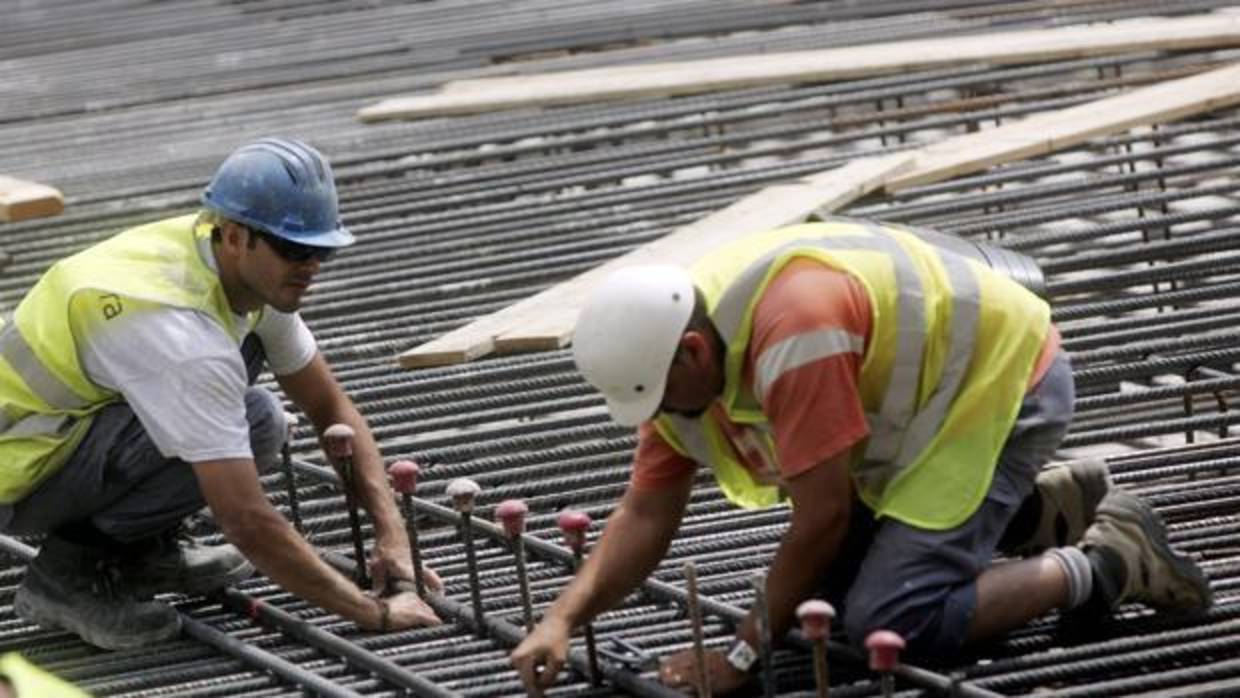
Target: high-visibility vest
46	399
29	680
952	348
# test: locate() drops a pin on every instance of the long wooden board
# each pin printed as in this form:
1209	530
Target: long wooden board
20	200
1046	133
689	77
546	320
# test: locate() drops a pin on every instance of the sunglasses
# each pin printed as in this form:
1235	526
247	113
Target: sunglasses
295	251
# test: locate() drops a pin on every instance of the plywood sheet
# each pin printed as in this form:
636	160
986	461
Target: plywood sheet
689	77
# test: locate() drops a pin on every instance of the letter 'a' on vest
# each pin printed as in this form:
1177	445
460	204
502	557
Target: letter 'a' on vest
46	399
953	344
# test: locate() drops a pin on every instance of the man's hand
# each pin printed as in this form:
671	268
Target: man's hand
539	658
387	569
679	671
407	610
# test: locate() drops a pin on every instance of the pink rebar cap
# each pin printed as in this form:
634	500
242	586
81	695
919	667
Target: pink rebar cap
511	514
574	524
884	647
404	474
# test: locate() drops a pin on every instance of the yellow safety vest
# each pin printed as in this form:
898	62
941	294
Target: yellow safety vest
29	681
953	344
46	400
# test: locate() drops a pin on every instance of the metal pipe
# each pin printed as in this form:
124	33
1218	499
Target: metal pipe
356	655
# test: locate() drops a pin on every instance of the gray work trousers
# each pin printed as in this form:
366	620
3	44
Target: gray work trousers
120	483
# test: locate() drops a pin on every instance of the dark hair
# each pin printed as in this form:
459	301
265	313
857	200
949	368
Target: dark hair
699	320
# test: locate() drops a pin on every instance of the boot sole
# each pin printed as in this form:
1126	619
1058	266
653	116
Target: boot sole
26	610
1132	509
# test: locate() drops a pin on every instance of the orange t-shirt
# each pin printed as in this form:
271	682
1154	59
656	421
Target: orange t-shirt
810	331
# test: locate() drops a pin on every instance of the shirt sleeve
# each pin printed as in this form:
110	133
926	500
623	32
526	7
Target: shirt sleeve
181	374
656	464
810	330
286	340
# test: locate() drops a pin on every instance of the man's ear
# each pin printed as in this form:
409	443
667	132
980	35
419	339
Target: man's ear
692	347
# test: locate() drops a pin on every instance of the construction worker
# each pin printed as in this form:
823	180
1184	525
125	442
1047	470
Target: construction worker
21	679
904	398
127	403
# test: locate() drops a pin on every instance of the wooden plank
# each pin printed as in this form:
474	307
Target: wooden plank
689	77
546	320
21	200
1046	133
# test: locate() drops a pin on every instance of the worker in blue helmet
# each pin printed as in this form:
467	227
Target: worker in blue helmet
127	403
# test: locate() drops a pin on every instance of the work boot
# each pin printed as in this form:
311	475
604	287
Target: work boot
1069	494
1132	560
174	562
76	588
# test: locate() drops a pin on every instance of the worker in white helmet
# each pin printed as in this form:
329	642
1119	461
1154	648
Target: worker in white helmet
903	398
127	402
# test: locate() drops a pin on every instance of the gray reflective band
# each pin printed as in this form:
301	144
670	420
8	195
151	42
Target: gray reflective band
799	350
19	355
692	437
966	312
36	425
899	432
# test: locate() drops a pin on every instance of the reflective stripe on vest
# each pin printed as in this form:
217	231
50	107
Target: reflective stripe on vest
800	350
899	432
21	357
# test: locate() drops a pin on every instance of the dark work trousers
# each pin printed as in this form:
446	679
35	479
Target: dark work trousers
119	483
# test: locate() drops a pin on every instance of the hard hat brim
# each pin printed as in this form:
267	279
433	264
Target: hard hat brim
630	413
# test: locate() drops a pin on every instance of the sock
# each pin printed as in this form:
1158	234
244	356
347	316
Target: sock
1110	575
1077	567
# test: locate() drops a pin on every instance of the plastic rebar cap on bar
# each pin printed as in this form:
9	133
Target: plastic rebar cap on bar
816	616
884	647
463	491
574	524
404	474
338	441
511	514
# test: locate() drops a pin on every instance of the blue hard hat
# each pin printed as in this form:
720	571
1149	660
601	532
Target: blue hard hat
282	186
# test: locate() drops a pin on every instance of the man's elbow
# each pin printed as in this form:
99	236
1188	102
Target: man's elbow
247	527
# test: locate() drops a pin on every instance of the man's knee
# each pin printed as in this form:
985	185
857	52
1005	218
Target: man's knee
933	621
268	426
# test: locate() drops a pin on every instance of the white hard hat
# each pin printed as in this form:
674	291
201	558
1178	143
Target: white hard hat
627	334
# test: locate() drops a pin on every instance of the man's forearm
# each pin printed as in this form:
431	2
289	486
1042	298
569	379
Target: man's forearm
624	557
278	552
803	555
